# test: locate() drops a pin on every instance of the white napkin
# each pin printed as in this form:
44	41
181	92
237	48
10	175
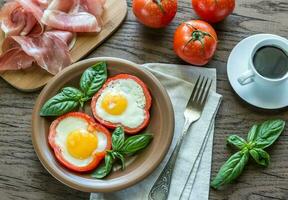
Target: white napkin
186	183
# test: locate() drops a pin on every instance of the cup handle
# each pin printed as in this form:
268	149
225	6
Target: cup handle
247	77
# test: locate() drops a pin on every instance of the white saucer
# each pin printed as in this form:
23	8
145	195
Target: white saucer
273	97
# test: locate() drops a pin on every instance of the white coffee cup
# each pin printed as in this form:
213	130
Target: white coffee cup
251	75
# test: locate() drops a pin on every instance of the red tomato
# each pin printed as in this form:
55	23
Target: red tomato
195	42
213	10
114	125
155	13
93	127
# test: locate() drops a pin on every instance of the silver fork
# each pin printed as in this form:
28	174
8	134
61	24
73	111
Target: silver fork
192	113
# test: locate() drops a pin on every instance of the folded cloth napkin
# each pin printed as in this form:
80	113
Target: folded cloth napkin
191	175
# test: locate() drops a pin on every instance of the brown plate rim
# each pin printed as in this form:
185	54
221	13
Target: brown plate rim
113	185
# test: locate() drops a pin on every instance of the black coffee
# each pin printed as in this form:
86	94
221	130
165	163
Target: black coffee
271	62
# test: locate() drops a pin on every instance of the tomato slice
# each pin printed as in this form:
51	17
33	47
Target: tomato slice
148	103
92	127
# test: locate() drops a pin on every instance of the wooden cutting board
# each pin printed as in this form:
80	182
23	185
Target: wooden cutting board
34	78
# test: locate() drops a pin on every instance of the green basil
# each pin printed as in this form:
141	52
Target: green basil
231	169
71	98
67	100
260	156
108	163
268	132
259	137
252	134
121	147
104	169
118	137
93	78
135	143
72	92
121	158
236	141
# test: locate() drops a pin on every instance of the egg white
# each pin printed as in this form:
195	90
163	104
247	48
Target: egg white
68	125
134	115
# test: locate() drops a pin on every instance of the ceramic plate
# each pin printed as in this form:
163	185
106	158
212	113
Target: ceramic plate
161	126
274	97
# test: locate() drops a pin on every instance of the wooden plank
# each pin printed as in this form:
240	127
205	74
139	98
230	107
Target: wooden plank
34	78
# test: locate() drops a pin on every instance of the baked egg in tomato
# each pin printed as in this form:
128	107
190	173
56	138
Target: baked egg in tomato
123	100
79	143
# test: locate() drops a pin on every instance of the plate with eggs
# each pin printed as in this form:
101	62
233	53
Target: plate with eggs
102	124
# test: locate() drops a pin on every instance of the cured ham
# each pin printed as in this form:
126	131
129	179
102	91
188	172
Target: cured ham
71	22
43	4
33	7
16	20
50	51
95	7
75	16
43	31
15	59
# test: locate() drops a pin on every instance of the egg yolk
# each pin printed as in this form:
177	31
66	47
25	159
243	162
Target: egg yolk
81	144
114	103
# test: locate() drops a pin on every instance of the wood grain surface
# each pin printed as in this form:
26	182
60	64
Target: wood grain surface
23	177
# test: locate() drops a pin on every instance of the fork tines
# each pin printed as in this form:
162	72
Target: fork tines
200	91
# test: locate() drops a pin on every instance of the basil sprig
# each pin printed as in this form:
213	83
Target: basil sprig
93	78
105	168
259	137
231	169
70	98
265	134
260	156
67	100
135	143
118	138
236	141
121	148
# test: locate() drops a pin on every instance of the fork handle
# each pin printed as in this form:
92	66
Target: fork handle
160	189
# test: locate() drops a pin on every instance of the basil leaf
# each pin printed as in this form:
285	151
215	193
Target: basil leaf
122	159
104	169
108	163
72	93
260	156
268	132
118	137
236	141
135	143
231	169
252	133
67	100
93	78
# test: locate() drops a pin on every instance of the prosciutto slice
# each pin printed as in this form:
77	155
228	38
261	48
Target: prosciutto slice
75	16
43	4
33	7
50	51
15	59
95	7
43	31
16	20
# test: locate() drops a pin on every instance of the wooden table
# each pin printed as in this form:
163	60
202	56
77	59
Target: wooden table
23	177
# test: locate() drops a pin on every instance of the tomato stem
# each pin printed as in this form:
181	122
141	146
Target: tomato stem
159	4
197	35
191	26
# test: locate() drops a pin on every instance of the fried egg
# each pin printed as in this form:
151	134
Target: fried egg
78	141
122	101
